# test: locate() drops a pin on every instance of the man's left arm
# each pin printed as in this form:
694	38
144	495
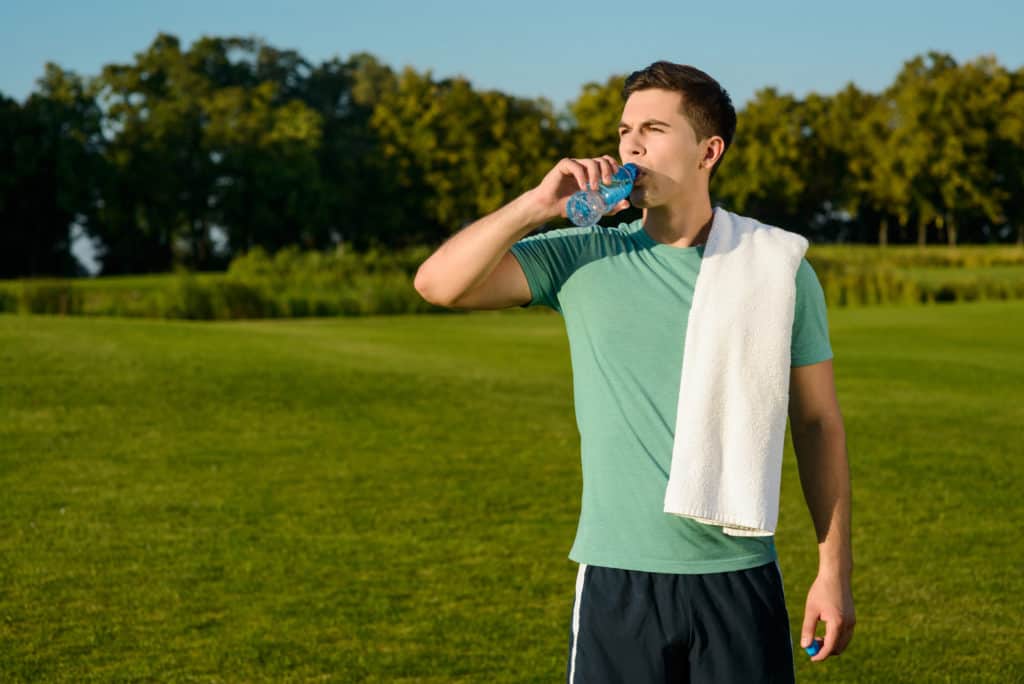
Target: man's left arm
819	439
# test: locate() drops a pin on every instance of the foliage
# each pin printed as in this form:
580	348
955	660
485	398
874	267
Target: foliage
189	157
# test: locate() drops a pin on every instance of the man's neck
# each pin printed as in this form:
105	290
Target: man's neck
682	225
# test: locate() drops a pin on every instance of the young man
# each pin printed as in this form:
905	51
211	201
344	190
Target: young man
660	598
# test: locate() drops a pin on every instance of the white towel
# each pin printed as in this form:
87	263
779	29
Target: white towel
734	390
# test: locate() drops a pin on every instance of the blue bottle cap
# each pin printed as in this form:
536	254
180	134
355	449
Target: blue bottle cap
813	648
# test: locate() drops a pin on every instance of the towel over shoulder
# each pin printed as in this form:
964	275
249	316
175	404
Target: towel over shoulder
734	391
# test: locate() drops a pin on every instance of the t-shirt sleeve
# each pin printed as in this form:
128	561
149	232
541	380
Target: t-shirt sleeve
810	342
548	259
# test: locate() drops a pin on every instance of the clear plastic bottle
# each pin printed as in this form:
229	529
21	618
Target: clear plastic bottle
586	207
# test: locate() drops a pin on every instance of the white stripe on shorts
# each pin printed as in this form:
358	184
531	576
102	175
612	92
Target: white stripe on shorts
580	575
779	567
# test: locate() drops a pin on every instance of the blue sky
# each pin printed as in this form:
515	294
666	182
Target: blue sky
534	48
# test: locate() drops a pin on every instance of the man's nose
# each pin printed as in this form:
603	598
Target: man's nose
630	148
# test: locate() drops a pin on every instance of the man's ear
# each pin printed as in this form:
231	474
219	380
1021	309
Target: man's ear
713	150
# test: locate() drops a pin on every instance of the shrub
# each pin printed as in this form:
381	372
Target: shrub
341	282
50	297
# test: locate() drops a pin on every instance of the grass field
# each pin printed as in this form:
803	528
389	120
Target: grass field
392	499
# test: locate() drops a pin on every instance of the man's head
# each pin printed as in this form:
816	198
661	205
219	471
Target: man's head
677	124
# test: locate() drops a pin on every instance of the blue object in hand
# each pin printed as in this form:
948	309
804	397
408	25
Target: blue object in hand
813	648
586	207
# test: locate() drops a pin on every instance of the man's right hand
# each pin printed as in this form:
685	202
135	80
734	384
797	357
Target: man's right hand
568	177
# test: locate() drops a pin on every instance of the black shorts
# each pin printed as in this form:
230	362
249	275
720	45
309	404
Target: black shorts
639	627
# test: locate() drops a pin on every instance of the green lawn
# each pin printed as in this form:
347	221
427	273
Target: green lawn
392	498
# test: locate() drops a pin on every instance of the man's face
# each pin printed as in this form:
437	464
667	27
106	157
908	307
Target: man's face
656	137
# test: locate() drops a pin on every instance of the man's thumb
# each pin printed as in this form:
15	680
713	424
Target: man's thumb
807	634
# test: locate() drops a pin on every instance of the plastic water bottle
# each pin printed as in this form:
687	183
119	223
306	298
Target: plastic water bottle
586	207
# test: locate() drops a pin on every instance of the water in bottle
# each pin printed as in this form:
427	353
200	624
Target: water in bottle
586	207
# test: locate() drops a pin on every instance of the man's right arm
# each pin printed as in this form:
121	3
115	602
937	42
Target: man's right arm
474	269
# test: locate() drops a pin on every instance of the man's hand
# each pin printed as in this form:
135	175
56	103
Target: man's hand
830	599
569	176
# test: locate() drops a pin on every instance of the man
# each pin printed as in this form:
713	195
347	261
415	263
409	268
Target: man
660	597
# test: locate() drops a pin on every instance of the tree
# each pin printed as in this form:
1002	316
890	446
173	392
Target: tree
917	154
879	177
766	171
594	118
216	135
458	153
234	135
363	203
159	180
1008	153
268	185
51	151
837	139
967	113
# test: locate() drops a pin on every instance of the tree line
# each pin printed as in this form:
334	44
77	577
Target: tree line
189	157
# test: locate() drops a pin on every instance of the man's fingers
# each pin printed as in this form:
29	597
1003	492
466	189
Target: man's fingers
590	173
828	601
593	171
831	636
844	639
619	206
607	169
575	169
613	162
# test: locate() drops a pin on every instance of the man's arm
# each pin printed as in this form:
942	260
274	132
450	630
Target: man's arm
819	439
474	268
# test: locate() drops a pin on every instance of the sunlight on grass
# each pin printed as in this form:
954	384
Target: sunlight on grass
391	498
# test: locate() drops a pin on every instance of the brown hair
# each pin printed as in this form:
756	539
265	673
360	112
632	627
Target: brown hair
705	103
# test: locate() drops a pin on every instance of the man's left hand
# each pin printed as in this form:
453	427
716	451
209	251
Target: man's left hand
830	600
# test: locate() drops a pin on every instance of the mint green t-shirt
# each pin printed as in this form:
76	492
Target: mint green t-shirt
625	299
